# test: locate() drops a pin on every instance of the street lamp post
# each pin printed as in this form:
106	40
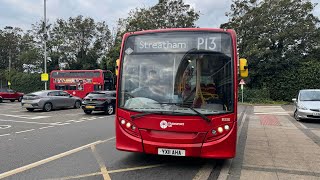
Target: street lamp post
9	28
45	43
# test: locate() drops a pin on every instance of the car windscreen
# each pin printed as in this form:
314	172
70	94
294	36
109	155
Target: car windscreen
310	95
99	95
35	94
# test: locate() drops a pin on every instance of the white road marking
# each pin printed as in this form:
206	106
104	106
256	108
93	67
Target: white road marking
75	121
28	122
25	116
19	132
4	126
46	127
52	158
4	135
275	113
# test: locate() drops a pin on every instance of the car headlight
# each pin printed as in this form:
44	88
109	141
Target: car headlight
302	107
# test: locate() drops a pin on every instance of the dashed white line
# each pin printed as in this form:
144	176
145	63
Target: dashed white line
4	135
25	131
29	122
46	127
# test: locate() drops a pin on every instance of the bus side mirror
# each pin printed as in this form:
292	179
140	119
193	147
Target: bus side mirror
243	68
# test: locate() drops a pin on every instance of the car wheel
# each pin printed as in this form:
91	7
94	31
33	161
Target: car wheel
30	109
87	111
110	109
47	107
295	114
12	100
77	105
20	99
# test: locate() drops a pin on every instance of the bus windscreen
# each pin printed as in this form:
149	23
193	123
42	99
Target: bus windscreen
178	72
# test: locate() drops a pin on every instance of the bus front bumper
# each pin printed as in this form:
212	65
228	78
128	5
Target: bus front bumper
224	148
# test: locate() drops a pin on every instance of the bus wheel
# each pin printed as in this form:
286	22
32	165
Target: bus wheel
87	111
77	105
110	109
12	100
47	107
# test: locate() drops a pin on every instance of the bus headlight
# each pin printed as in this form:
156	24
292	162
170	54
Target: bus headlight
220	129
129	127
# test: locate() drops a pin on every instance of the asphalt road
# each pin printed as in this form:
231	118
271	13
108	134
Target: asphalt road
68	144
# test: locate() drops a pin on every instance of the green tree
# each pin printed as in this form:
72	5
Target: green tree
274	35
165	14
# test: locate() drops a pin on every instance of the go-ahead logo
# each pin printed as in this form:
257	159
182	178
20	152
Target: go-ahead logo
164	124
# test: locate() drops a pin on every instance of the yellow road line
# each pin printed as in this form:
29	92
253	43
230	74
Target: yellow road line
52	158
77	177
135	168
112	171
101	163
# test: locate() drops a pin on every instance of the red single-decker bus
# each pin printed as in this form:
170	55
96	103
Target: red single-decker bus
177	93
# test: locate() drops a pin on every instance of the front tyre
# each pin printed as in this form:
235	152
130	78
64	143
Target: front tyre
110	109
12	100
296	117
77	105
47	107
87	111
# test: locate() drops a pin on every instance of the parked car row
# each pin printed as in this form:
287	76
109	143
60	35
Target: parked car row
56	99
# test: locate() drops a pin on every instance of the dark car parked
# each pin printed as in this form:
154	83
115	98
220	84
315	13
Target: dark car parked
100	101
9	94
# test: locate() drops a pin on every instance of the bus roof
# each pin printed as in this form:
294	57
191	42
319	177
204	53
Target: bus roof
179	29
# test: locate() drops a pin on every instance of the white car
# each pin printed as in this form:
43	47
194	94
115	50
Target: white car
307	104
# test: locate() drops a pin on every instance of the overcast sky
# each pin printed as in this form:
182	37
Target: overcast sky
23	13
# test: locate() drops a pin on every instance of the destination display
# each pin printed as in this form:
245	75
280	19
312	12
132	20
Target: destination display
174	43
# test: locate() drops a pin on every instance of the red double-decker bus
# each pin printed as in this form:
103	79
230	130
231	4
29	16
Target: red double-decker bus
177	92
81	82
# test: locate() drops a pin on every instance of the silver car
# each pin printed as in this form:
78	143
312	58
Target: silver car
48	100
307	104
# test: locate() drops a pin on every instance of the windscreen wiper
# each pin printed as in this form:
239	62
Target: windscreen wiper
145	113
197	112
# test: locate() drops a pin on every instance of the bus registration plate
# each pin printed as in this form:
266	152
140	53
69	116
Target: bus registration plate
171	152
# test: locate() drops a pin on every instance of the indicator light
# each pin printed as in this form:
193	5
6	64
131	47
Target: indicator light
227	127
214	132
133	127
123	121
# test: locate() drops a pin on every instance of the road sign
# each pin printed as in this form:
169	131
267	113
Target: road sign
44	77
242	82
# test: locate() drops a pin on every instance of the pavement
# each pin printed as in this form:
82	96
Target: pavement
68	144
278	147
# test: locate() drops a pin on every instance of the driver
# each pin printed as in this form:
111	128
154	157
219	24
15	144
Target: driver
151	88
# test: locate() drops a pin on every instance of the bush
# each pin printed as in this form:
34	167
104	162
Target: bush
26	83
255	95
